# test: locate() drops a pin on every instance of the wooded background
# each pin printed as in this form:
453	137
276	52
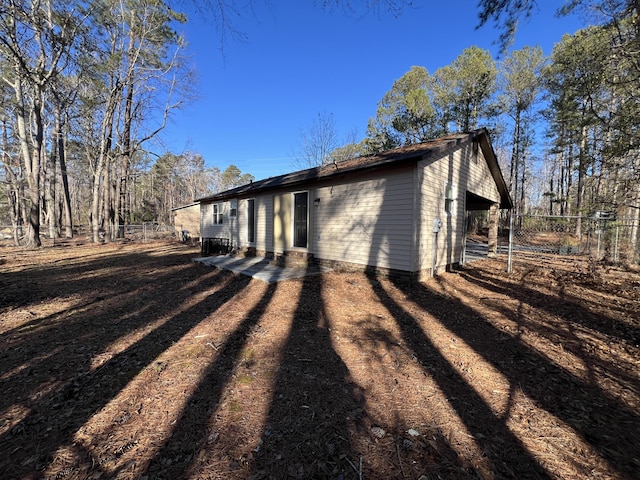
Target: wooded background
86	86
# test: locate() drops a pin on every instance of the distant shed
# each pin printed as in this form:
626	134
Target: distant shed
186	218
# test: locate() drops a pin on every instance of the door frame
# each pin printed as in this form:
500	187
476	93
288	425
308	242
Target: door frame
294	220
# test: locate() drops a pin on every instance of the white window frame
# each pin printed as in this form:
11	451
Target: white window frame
218	214
233	207
450	197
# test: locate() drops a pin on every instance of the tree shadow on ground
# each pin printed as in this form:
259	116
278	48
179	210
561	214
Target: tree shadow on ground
415	443
62	388
576	308
112	297
574	320
316	407
179	456
605	423
506	455
95	277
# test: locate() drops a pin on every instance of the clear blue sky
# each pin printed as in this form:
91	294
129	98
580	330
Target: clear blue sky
300	60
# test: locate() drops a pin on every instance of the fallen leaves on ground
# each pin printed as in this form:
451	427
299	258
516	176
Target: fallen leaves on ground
131	361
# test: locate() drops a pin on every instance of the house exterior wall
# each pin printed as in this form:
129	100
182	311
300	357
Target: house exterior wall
381	217
479	179
241	225
264	223
234	222
211	230
281	222
450	175
366	221
263	215
236	228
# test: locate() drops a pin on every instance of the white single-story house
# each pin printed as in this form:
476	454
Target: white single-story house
400	212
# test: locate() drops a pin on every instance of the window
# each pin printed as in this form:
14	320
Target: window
300	202
450	194
217	214
233	212
251	220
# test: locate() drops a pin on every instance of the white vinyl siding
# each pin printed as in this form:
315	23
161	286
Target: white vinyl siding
210	229
260	222
383	217
368	221
235	228
264	223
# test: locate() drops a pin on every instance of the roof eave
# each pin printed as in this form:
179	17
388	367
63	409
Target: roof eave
304	177
494	168
325	172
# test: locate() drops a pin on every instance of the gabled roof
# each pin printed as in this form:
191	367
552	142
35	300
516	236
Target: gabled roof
396	156
185	206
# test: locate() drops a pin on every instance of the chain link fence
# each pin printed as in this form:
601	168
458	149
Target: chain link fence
139	233
601	236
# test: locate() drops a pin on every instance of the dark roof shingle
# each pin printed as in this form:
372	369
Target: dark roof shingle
395	156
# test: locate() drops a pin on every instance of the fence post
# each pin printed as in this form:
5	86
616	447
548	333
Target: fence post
509	257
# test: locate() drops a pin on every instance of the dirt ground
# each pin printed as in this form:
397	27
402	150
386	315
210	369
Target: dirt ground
131	361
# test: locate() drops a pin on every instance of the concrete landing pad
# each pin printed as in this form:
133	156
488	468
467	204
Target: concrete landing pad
260	268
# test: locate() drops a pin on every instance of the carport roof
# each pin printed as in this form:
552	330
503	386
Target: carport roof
395	156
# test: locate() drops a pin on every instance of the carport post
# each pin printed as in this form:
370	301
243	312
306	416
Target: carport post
493	230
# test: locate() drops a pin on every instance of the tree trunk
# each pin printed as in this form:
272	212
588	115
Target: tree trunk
32	160
66	197
50	192
523	178
14	195
568	171
551	181
105	146
582	159
125	163
515	161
